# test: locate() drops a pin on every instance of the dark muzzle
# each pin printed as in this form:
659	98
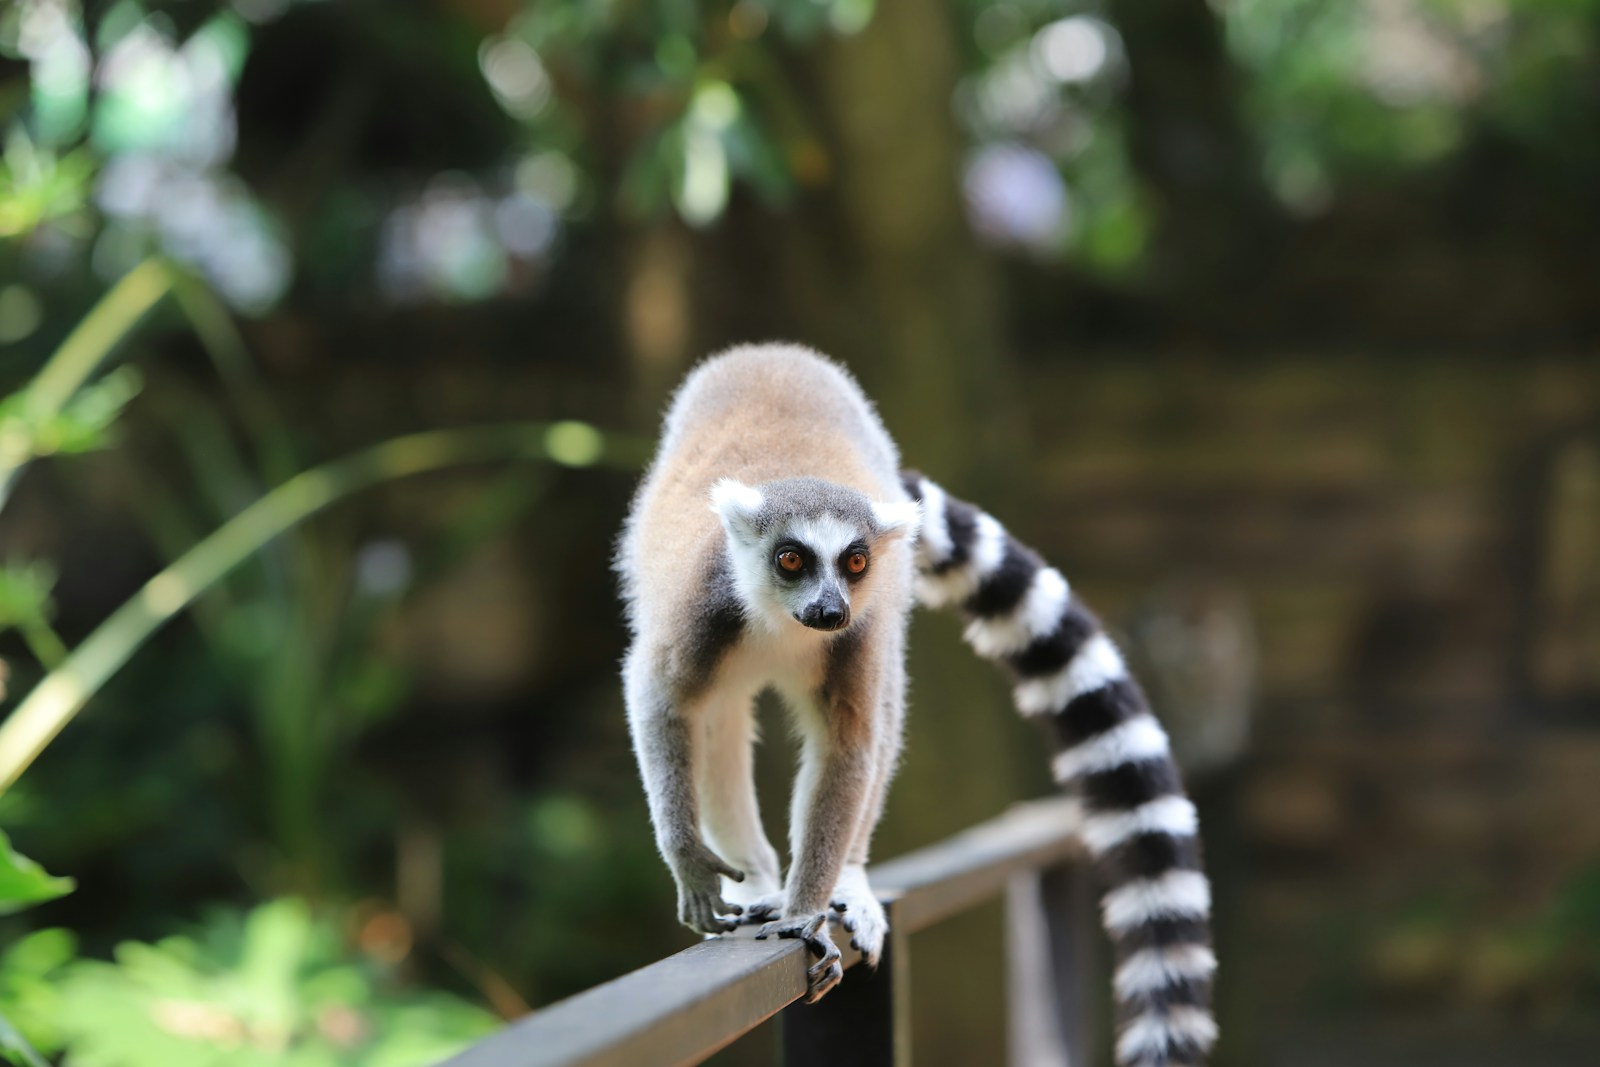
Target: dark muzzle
826	613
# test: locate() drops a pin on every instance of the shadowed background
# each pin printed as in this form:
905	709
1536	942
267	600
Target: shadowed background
1272	323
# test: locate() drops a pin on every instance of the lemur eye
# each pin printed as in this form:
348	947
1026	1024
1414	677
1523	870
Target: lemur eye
790	560
856	562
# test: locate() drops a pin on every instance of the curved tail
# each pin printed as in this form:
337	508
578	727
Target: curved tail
1110	751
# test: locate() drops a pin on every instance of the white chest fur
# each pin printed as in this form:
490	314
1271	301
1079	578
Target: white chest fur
790	660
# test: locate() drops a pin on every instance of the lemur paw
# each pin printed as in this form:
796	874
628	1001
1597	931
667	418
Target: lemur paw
863	917
813	930
763	908
760	895
699	874
861	914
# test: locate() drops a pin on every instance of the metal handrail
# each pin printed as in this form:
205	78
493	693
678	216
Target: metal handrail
684	1008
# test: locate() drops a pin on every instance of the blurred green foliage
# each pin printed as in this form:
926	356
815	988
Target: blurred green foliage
608	111
1449	946
305	662
23	882
37	186
25	994
30	992
277	985
1340	92
80	426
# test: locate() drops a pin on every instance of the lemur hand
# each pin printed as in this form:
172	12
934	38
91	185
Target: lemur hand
813	930
860	913
700	905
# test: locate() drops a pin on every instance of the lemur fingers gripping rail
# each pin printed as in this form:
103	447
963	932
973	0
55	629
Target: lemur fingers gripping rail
1112	756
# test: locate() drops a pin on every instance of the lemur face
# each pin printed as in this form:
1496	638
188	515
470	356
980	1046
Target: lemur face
802	549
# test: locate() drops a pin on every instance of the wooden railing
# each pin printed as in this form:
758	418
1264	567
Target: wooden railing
684	1008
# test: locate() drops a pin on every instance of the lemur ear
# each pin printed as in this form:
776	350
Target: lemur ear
897	517
737	504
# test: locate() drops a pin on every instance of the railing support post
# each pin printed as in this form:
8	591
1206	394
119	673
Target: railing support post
1051	941
864	1022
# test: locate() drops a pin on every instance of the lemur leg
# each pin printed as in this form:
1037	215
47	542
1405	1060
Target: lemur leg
664	741
729	813
839	728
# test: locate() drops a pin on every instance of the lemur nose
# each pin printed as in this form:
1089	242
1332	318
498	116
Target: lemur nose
824	616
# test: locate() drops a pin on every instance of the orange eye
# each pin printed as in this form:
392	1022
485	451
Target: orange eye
790	560
856	563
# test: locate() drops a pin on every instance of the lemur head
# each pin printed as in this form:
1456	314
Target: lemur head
803	549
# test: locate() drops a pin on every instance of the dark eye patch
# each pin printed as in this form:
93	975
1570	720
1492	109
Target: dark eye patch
783	559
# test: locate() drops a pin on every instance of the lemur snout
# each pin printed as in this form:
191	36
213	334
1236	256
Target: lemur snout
825	615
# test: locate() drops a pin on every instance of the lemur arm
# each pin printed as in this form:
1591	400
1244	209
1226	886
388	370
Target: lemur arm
663	744
841	725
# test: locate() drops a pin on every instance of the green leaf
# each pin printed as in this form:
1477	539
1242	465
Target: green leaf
29	997
16	1047
85	423
36	185
24	882
35	955
25	593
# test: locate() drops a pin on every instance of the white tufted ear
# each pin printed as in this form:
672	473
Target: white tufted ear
737	504
897	517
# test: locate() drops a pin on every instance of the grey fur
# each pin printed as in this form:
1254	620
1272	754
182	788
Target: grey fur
788	499
711	633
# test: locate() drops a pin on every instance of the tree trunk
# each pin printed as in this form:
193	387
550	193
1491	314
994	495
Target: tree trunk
1191	149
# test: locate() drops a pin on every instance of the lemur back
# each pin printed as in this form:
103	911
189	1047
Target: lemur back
770	545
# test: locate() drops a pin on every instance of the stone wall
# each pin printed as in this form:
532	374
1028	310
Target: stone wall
1412	832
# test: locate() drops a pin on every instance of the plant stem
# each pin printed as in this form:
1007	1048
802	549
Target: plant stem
46	646
85	347
220	336
63	692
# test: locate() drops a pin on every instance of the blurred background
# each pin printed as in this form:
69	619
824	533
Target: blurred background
1272	322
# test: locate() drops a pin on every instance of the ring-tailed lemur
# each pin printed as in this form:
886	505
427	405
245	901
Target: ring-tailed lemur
773	543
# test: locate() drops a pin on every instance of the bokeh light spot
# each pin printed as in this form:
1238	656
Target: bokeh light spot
1072	49
574	444
20	313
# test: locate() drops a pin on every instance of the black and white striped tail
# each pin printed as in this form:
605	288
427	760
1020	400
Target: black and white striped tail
1111	753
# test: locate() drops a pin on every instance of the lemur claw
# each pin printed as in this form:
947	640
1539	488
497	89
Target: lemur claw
700	904
763	909
827	972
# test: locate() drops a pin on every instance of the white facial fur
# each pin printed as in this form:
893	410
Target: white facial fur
736	504
776	600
